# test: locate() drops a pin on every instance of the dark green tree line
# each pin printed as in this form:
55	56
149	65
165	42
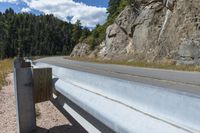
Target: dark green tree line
31	35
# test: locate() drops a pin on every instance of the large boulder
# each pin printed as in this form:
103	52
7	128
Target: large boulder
153	31
148	30
189	52
135	32
118	35
183	24
81	50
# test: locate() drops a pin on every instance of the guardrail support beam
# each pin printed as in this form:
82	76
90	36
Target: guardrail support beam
26	118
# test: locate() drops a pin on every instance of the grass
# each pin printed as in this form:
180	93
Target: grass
164	65
5	68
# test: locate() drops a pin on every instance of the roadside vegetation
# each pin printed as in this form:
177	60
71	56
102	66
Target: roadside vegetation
5	68
163	65
98	34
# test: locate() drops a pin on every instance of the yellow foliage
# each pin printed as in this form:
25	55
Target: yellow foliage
5	68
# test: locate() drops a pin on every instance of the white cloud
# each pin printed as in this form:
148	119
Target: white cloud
9	1
89	15
25	10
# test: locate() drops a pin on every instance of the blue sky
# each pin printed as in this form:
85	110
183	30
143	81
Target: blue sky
90	12
100	3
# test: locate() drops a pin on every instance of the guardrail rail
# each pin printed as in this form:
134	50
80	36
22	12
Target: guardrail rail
107	104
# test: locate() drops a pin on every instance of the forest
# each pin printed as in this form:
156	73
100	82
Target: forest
30	35
25	34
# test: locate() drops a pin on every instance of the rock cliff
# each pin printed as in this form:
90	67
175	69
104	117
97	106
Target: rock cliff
147	30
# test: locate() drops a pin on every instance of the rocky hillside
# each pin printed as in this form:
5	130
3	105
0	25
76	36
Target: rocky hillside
152	31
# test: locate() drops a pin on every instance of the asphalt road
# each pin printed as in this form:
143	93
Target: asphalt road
180	81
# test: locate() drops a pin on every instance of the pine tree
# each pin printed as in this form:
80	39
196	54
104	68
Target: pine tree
29	35
112	7
76	32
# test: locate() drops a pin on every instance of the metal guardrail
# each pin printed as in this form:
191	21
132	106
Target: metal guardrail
116	105
26	118
31	86
102	103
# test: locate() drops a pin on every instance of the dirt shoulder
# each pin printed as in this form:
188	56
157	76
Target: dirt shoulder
8	108
50	119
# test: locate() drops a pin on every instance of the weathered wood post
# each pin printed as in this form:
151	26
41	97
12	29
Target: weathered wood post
31	86
23	80
42	84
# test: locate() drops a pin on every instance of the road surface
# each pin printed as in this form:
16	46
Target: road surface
180	81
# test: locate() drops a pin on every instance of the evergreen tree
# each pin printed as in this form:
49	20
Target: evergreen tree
77	31
112	7
29	35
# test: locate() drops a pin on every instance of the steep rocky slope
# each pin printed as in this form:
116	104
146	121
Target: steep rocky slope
149	31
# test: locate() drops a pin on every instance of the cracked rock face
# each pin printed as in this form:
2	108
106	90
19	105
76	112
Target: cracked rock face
135	32
155	30
81	50
189	52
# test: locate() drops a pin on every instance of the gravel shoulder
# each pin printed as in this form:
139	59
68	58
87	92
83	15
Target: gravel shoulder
50	119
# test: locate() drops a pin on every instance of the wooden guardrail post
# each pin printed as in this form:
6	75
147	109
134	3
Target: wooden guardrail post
26	118
42	84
